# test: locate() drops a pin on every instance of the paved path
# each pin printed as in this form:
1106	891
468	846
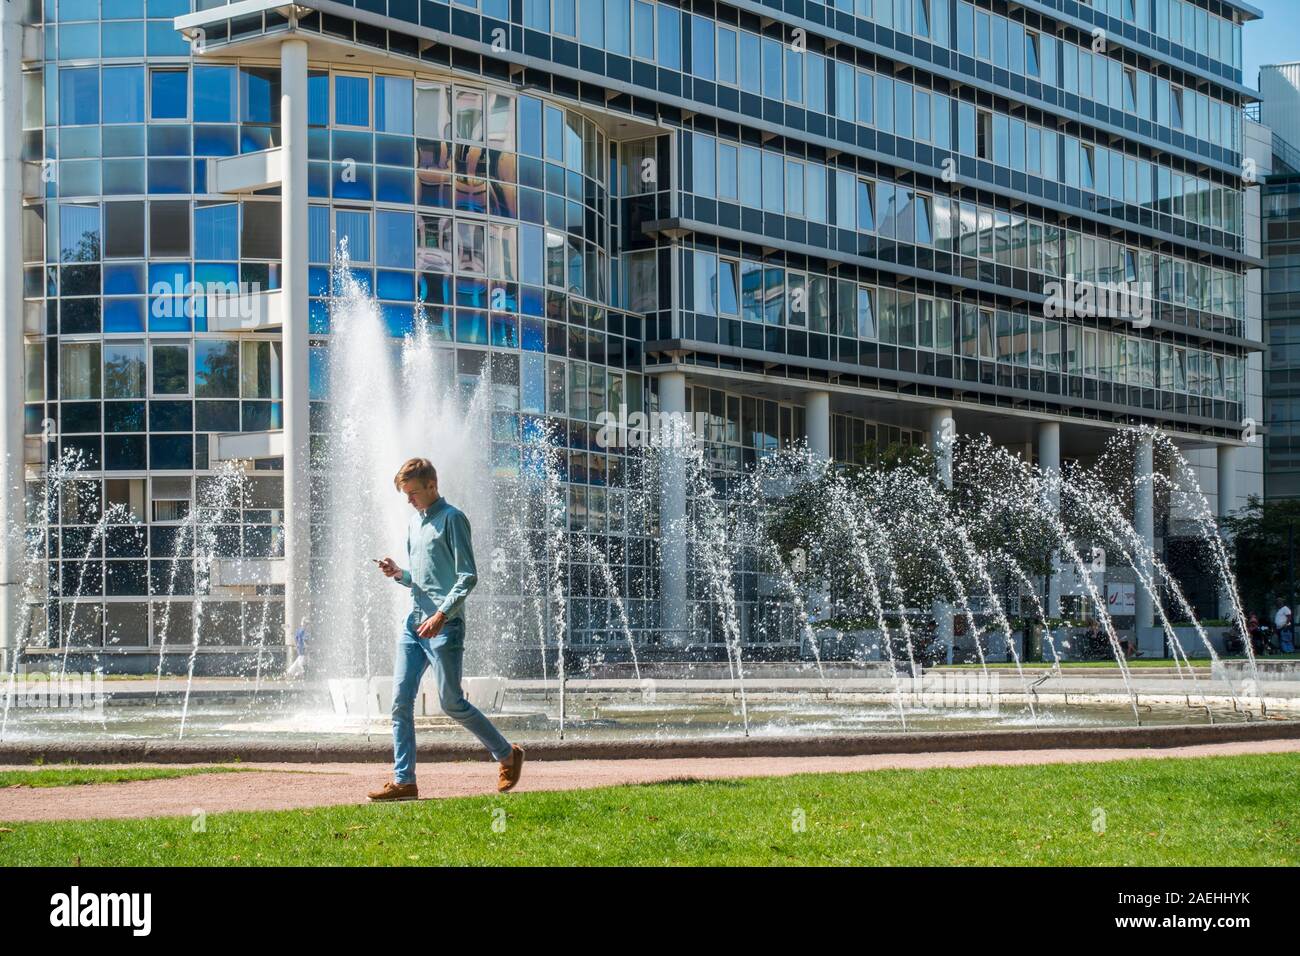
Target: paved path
294	786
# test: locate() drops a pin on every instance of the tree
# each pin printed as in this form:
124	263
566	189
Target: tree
1259	534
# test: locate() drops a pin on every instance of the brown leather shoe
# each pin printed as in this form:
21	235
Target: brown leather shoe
509	776
396	791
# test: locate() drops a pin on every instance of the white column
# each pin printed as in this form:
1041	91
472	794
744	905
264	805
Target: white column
674	594
1049	463
817	425
1227	474
293	296
817	422
11	327
1149	642
943	432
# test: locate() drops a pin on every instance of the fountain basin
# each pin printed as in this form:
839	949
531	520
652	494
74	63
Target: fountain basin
373	696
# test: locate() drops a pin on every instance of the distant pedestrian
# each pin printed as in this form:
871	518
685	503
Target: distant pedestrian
1282	624
298	669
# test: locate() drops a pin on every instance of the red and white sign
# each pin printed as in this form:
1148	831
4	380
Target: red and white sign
1121	599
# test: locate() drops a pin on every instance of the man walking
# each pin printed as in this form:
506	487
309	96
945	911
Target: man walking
441	573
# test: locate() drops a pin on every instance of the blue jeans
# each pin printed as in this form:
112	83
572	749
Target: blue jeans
444	652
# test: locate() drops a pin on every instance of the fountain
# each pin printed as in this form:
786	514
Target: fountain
912	572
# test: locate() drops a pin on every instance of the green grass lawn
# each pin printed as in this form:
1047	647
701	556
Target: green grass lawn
1216	811
76	776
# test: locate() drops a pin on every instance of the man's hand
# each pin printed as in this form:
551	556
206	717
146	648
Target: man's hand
432	625
390	568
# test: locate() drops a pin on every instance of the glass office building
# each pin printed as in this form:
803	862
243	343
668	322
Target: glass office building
834	222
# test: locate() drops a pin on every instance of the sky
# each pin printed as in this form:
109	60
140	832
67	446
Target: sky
1273	39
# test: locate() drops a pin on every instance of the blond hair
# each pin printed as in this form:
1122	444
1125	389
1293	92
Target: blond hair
415	469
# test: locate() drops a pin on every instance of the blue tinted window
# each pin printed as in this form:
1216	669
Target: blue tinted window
79	41
670	37
394	185
395	285
78	10
125	102
565	20
393	104
215	141
259	95
318	234
78	233
537	14
591	22
167	276
352	100
726	55
216	368
79	96
400	319
530	126
749	62
354	229
169	176
554	134
318	99
123	278
163	40
616	26
702	47
643	34
168	8
168	94
123	39
318	319
79	178
771	68
471	327
216	232
353	182
123	315
215	273
214	94
394	239
122	9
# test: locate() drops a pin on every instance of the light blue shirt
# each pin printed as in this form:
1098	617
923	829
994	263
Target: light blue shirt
440	560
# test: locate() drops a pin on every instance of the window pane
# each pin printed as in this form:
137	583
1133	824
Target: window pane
168	94
125	104
171	373
352	100
214	94
216	368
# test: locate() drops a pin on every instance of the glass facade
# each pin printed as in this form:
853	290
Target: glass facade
1281	214
581	194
